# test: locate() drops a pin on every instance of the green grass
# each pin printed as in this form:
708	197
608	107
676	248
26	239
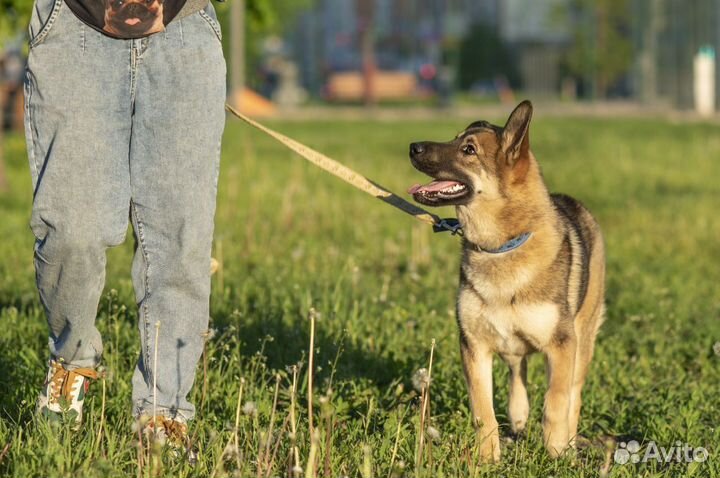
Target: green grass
290	237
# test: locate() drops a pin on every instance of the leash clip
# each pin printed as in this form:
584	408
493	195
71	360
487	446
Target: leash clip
448	224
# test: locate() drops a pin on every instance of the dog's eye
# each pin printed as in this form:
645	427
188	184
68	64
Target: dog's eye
469	149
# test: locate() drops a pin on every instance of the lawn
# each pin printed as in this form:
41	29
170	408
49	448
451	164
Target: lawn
290	237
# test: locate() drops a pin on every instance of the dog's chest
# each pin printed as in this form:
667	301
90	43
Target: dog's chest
515	329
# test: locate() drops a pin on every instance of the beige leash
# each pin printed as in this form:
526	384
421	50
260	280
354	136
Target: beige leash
351	177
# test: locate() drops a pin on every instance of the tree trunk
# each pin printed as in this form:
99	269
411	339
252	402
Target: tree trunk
601	77
365	10
648	54
3	177
237	51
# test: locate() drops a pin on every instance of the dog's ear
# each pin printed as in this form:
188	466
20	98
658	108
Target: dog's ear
515	136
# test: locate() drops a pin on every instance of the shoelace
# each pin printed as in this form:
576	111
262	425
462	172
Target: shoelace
63	380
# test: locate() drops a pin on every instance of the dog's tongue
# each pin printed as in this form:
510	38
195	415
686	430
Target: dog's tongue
432	187
132	21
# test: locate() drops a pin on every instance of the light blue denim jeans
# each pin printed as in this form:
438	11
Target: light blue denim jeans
121	130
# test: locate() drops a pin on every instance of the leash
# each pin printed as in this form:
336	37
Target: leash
355	179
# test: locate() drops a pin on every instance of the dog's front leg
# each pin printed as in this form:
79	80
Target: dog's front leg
477	363
561	365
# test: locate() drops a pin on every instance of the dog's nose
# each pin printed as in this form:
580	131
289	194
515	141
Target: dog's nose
416	148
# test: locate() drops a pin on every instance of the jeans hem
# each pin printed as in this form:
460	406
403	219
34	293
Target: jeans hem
145	410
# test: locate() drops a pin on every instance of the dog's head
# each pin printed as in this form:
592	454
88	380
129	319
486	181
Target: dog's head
132	15
479	164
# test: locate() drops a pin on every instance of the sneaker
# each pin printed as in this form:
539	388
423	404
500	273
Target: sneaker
64	392
172	433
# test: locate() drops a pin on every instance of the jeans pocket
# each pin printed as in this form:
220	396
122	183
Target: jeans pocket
42	19
208	14
39	256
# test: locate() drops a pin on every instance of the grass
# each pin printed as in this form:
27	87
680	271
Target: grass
290	238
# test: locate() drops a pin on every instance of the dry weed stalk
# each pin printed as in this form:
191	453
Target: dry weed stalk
424	410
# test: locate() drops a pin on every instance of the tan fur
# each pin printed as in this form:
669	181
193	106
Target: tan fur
545	296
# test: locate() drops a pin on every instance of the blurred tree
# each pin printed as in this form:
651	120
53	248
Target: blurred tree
261	18
484	58
602	49
14	15
273	16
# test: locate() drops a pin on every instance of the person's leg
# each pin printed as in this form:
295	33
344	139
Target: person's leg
77	119
174	159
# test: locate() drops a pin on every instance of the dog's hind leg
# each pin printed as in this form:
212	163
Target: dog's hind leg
587	323
518	406
561	368
583	356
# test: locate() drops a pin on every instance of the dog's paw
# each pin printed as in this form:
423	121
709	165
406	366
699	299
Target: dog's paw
489	448
556	449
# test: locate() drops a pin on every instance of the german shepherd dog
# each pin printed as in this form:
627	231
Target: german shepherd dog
531	278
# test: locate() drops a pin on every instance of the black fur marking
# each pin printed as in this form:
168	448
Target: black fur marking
572	210
481	125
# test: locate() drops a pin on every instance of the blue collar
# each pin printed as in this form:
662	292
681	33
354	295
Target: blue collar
510	245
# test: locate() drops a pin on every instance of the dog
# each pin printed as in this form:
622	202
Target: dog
531	277
133	18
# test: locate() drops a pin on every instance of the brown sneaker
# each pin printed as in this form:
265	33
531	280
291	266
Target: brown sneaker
63	392
169	432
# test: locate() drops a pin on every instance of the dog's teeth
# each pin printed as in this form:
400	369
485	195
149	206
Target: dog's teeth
454	189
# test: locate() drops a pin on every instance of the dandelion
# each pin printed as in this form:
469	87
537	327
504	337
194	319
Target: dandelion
421	379
230	452
433	433
398	470
140	423
250	408
159	438
297	253
716	348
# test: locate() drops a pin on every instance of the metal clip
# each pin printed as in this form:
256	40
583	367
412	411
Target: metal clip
449	224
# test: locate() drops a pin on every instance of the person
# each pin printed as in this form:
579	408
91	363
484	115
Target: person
124	113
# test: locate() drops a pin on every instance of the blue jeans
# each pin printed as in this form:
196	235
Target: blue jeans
118	131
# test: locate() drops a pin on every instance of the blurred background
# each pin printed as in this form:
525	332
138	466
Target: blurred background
648	52
657	54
